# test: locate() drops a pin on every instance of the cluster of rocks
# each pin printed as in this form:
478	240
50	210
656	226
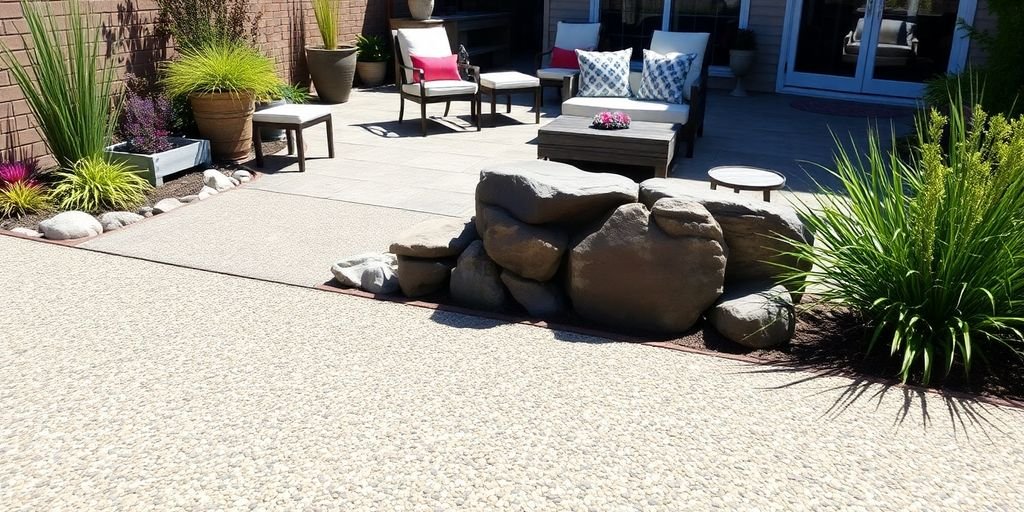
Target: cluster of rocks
71	225
655	257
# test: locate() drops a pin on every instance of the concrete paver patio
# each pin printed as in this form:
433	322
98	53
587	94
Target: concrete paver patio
139	386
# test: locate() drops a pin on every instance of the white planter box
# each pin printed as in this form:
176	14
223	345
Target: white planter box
187	154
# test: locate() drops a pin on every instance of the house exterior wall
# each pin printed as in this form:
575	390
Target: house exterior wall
286	27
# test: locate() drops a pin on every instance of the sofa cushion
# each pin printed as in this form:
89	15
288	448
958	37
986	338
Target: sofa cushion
664	76
683	42
655	112
604	74
442	88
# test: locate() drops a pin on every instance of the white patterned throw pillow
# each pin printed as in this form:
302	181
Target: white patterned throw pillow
665	76
604	73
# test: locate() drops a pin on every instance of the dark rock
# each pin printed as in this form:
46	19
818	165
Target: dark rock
533	252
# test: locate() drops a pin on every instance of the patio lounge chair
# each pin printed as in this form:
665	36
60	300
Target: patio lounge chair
431	42
571	37
689	114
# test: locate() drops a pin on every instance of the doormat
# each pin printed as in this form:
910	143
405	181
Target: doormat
849	108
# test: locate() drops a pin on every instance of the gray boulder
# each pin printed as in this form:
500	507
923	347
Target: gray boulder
541	192
755	314
419	276
31	233
632	274
750	227
542	300
166	205
70	225
476	280
533	252
435	238
373	272
217	180
112	221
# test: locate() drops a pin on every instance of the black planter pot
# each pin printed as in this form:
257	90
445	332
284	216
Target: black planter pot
332	72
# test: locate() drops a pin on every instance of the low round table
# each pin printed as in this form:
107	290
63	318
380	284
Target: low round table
740	177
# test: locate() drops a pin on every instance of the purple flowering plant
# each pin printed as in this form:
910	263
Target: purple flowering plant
145	118
611	121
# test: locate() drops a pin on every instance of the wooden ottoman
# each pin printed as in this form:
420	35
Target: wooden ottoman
292	118
507	83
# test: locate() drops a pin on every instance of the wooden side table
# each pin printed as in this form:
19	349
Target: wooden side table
741	177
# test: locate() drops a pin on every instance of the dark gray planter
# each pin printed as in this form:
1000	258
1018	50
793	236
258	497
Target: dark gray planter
332	72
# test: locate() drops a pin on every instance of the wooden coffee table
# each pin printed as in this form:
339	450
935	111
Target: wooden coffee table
642	144
741	177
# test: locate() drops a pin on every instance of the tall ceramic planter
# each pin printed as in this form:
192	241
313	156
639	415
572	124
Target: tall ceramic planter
421	9
371	74
226	120
740	62
332	72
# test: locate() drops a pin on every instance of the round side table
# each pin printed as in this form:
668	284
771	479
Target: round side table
741	177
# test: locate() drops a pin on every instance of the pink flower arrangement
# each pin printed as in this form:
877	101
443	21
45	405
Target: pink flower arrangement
611	121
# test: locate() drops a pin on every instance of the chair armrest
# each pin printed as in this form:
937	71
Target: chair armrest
571	86
403	67
540	58
473	72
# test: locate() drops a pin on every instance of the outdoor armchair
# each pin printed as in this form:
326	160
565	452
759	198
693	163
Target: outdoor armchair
431	43
569	36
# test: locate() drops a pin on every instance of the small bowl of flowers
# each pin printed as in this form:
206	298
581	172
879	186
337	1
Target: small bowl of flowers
611	121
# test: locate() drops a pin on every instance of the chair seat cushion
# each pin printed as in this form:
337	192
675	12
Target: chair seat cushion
291	114
508	80
556	73
441	88
652	111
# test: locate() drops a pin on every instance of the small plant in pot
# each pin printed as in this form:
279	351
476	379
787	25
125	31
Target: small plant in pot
741	58
332	67
373	60
222	81
293	94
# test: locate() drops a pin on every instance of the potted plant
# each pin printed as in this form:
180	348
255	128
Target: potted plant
146	142
373	60
741	58
421	9
331	67
285	94
222	81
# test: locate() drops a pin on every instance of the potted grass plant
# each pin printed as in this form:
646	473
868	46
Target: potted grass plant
222	81
332	67
373	60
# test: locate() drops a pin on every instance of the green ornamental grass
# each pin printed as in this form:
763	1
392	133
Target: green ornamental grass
930	250
94	185
221	67
23	198
327	15
67	84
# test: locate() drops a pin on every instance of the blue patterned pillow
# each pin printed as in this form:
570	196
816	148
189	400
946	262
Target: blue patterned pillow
604	73
665	76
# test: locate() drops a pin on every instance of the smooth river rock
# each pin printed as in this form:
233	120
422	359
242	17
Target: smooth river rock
533	252
217	180
755	314
166	205
476	280
632	274
435	238
112	221
70	225
541	192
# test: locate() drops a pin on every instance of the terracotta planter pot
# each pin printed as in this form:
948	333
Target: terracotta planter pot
226	120
332	72
421	9
371	74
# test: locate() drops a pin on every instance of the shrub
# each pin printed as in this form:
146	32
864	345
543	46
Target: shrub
145	124
294	94
221	67
22	198
372	48
194	24
327	16
18	171
930	250
66	84
95	184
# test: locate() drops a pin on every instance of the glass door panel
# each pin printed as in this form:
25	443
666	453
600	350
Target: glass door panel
720	18
630	24
823	32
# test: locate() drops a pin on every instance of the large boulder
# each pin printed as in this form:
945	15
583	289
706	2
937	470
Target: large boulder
112	221
70	225
421	276
374	272
630	273
476	280
542	300
751	228
755	314
435	238
541	192
533	252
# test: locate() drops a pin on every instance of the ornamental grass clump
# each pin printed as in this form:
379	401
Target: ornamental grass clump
20	193
327	14
221	67
67	83
930	249
94	185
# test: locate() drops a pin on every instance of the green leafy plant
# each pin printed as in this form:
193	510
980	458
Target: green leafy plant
327	14
23	198
196	23
295	94
372	48
94	184
745	39
66	82
221	67
930	249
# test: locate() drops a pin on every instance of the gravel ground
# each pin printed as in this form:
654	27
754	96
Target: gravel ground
138	386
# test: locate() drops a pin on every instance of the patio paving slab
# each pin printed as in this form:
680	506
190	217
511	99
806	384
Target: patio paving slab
134	385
